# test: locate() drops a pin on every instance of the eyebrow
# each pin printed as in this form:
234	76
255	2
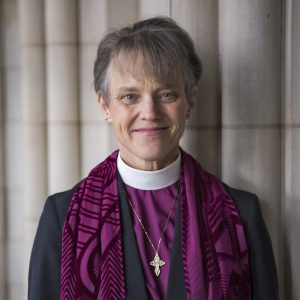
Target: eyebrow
127	89
136	88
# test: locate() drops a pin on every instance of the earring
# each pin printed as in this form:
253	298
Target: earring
106	118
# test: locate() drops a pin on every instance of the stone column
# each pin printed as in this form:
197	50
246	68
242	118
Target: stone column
200	19
148	9
250	47
290	258
94	133
96	17
33	95
62	94
13	145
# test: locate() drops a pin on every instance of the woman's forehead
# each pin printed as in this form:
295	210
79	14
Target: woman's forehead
142	67
126	81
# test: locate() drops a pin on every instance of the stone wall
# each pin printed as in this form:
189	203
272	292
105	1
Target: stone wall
245	127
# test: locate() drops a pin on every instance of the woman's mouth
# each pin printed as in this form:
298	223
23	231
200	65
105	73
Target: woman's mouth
150	130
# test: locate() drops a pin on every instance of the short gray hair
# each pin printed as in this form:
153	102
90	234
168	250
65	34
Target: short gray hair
158	45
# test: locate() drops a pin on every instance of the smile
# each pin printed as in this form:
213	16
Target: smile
150	130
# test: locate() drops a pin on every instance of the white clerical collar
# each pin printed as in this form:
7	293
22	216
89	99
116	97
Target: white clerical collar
149	180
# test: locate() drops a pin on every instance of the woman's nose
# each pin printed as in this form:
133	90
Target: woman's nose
150	109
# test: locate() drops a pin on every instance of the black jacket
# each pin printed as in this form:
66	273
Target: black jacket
44	271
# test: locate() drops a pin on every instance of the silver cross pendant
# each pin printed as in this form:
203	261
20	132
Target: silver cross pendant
157	263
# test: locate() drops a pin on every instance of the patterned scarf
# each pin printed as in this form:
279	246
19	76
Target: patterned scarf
214	248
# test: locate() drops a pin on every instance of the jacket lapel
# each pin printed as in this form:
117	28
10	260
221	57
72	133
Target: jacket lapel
176	285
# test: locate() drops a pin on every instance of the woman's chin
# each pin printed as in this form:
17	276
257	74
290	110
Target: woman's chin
158	157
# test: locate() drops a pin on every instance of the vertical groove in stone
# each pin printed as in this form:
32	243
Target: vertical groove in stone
2	200
200	19
250	47
62	94
287	163
291	224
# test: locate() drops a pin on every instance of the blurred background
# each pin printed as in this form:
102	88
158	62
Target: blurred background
245	127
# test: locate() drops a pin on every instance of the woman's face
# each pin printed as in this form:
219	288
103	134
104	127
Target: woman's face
148	119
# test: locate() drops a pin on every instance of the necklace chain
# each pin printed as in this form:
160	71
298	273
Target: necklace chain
156	262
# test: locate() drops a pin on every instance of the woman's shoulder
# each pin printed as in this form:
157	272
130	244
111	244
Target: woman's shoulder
261	257
59	202
247	203
239	195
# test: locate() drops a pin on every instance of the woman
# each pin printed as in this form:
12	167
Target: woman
149	222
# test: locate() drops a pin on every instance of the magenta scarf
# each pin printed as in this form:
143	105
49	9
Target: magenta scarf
214	248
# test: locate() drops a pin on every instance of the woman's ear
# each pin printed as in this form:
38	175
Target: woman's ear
189	110
104	108
191	101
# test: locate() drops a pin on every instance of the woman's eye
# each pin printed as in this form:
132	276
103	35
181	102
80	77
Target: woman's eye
168	96
129	97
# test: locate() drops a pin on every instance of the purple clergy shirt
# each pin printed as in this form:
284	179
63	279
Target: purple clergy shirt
153	207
